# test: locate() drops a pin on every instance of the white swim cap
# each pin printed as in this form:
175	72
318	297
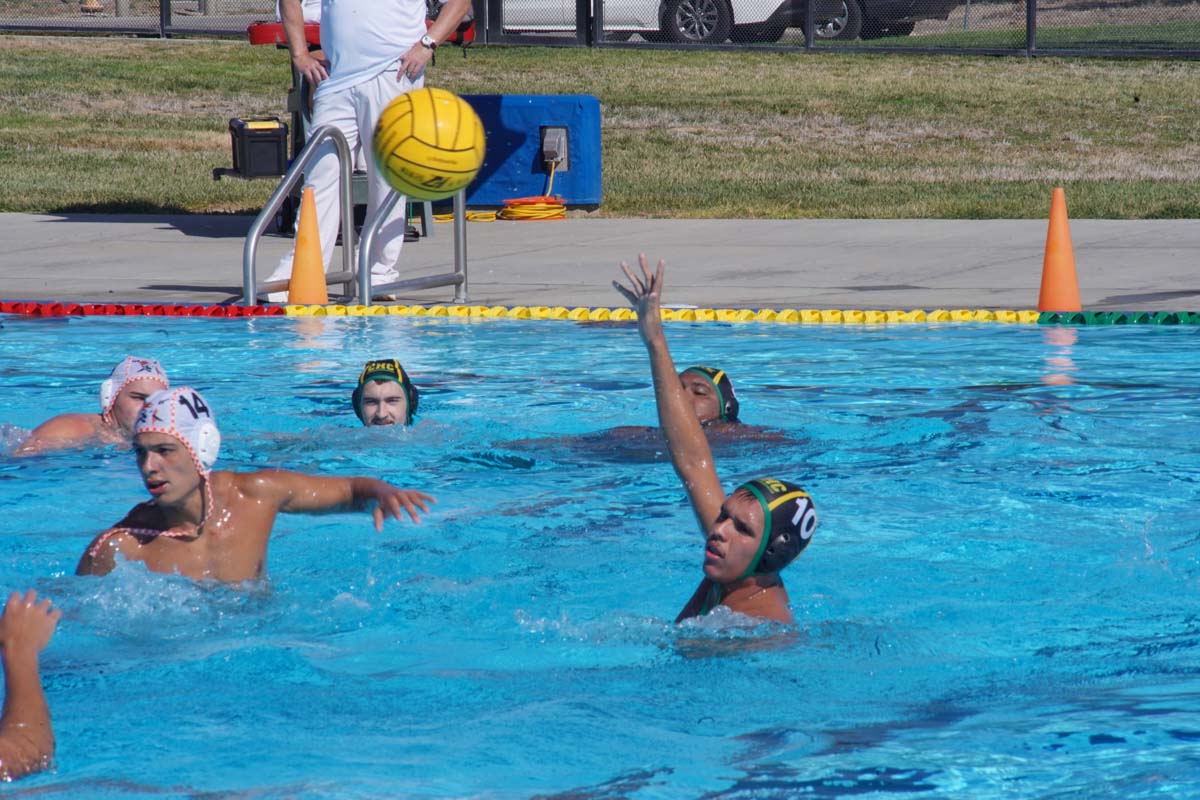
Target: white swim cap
182	413
130	370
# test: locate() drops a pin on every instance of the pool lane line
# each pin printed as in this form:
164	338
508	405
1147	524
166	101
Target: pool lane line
589	314
1119	318
35	309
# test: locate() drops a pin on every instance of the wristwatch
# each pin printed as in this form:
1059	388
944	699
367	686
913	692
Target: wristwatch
429	41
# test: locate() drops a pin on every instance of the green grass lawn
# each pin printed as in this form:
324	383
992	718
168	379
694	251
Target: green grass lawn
1174	35
96	124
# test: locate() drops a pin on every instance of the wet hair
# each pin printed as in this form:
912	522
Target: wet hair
726	398
386	369
789	520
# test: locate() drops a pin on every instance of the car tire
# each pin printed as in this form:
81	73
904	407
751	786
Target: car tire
698	21
877	29
845	25
758	32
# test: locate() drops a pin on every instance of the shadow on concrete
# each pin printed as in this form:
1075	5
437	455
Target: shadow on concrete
1137	300
207	226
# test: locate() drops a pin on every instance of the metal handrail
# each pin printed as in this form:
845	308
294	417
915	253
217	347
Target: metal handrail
250	287
458	278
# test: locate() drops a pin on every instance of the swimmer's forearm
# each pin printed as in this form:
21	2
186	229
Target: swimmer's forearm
26	736
364	491
691	455
676	417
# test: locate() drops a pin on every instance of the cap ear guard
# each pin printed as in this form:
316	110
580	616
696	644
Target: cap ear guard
730	405
207	444
792	528
413	398
356	400
106	394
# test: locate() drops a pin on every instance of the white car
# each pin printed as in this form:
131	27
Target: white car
689	21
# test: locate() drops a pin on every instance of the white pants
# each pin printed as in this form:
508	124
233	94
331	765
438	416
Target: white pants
354	112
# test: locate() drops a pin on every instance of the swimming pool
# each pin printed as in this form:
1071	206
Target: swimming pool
1000	600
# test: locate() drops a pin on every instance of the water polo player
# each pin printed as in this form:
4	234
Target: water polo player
215	525
121	397
384	394
711	393
751	534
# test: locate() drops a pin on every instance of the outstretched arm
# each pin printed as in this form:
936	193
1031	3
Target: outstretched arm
690	453
295	492
26	737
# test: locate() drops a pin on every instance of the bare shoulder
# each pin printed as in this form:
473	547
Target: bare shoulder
772	604
257	484
101	555
65	430
271	486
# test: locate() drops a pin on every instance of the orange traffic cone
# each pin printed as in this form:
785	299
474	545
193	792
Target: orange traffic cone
307	286
1060	288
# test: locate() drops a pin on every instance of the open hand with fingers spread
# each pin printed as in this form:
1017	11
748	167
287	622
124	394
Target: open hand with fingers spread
391	501
644	295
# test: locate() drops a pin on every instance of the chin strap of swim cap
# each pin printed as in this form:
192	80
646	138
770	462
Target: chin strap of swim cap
789	521
386	369
129	370
183	414
726	398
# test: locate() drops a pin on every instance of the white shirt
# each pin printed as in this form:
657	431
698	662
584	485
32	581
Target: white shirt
312	10
363	38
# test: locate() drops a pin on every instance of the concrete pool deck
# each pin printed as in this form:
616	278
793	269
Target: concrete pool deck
1143	265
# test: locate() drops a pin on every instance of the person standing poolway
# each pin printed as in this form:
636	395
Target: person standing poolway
210	525
121	397
377	50
750	534
384	394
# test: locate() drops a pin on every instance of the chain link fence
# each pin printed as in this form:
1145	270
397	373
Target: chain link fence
1050	27
139	17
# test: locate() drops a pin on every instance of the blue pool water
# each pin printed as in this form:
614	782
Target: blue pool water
1001	599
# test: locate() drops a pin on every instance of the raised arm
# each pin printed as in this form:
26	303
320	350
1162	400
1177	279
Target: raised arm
295	492
26	737
690	453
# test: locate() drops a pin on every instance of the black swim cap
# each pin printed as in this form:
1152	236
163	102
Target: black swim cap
726	398
386	369
789	520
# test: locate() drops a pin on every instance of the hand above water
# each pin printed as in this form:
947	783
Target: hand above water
644	295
